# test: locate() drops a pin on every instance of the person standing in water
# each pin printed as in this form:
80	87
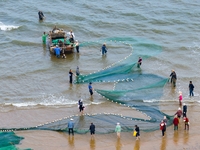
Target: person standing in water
90	88
173	78
118	130
191	88
175	122
180	98
184	110
163	127
70	76
71	126
41	15
139	62
137	129
77	46
44	37
187	124
81	107
77	71
92	130
104	49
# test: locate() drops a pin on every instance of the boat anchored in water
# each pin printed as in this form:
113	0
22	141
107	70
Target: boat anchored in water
58	37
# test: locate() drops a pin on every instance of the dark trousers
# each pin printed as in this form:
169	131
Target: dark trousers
184	114
77	49
163	132
191	92
71	130
70	79
91	92
186	126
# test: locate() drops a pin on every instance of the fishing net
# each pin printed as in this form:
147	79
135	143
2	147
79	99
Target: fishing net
133	88
8	140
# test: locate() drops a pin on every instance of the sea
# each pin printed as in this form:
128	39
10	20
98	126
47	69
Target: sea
35	84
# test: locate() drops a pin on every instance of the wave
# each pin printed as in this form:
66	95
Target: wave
7	27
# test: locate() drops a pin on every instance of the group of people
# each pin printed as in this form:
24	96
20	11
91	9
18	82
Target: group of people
176	120
174	79
178	116
136	131
71	74
71	128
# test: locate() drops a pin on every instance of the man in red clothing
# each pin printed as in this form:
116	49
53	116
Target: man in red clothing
179	113
186	120
176	122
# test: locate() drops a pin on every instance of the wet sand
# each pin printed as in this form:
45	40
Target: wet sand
52	140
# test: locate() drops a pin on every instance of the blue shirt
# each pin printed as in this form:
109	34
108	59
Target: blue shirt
89	87
57	50
70	124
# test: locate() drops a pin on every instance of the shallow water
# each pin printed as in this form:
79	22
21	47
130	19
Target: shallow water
32	79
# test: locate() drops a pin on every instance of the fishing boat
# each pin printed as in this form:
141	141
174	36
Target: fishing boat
58	37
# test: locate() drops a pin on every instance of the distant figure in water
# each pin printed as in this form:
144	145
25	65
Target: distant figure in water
191	88
44	37
184	110
173	78
118	130
70	76
104	49
41	15
139	62
77	46
180	98
81	107
77	71
90	88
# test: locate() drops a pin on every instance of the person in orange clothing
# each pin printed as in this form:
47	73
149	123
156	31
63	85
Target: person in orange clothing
175	122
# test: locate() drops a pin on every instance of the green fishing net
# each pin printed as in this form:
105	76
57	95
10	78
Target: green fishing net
133	88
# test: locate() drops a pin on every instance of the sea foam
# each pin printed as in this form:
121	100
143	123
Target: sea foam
7	27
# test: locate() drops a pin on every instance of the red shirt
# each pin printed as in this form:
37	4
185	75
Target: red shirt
175	121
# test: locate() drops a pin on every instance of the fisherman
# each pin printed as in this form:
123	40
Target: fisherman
71	39
92	130
173	78
70	76
103	49
71	33
90	88
44	37
139	62
71	126
77	46
77	71
191	88
57	51
41	15
184	110
81	107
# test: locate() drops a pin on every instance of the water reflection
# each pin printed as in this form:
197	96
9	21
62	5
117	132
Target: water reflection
71	141
137	145
118	144
163	144
92	144
186	137
176	137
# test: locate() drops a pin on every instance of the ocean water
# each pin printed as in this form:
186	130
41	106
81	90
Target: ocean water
32	79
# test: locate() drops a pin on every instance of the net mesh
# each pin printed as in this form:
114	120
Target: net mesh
132	88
